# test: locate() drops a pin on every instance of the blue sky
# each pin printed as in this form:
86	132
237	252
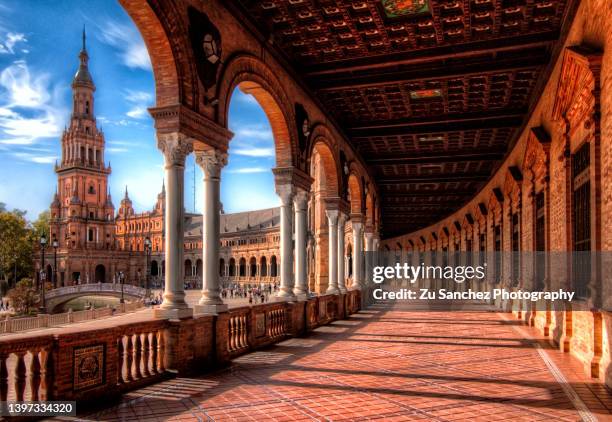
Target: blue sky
39	44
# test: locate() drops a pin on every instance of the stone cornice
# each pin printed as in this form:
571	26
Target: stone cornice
178	118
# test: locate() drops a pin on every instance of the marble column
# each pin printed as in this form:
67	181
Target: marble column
301	221
286	193
332	225
211	162
369	261
175	148
357	254
341	260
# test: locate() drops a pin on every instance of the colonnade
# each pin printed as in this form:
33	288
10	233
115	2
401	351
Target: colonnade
293	226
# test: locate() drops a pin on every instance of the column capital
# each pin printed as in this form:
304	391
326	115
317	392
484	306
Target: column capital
342	218
369	235
357	225
286	192
211	161
332	216
175	146
301	199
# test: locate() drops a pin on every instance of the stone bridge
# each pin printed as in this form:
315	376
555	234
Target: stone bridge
59	296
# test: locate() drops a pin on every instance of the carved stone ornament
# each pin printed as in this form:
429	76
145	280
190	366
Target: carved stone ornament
211	162
175	147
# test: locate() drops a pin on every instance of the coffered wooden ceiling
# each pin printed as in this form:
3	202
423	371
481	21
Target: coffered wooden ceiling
432	93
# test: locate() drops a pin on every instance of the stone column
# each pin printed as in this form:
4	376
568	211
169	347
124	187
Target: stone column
286	193
301	221
341	260
175	148
211	162
357	254
369	248
332	222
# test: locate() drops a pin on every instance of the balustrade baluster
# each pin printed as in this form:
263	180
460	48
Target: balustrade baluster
45	375
20	376
145	355
128	355
154	345
161	347
137	357
3	378
120	361
34	376
232	344
245	331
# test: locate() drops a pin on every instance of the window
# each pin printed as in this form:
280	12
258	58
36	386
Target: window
482	247
516	247
540	241
498	256
581	219
91	214
90	235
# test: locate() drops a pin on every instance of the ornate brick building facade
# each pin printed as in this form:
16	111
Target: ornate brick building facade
95	244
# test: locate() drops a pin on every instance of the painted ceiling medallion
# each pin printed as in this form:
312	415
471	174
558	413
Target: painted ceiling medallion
398	8
423	94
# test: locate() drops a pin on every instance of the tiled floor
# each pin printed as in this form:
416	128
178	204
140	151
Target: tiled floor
386	364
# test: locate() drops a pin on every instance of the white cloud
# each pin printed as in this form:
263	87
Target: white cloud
39	159
10	39
249	170
139	101
29	108
127	40
254	132
253	151
116	150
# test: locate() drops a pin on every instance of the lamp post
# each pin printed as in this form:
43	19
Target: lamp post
55	246
121	280
43	245
147	245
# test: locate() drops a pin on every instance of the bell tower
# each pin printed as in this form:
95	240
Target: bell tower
82	213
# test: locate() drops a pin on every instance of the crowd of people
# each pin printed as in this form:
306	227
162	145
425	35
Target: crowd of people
255	293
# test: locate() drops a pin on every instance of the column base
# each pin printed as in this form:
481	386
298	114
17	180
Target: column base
332	291
210	309
302	297
284	298
173	313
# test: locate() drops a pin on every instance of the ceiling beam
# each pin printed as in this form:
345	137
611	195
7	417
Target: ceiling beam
424	55
440	124
406	74
435	178
421	159
423	193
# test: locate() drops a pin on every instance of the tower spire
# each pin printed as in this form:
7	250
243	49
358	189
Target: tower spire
84	40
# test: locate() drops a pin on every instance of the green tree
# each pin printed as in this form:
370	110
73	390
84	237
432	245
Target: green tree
40	226
15	245
24	297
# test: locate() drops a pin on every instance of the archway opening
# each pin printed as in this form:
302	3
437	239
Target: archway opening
100	274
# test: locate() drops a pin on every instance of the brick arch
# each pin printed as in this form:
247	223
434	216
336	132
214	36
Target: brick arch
369	210
329	162
355	193
254	77
172	80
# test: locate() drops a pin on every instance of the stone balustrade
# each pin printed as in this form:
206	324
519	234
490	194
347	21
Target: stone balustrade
108	359
15	325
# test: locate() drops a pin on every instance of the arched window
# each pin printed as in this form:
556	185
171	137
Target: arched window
253	267
232	267
273	267
199	268
188	268
263	266
87	107
222	267
242	271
